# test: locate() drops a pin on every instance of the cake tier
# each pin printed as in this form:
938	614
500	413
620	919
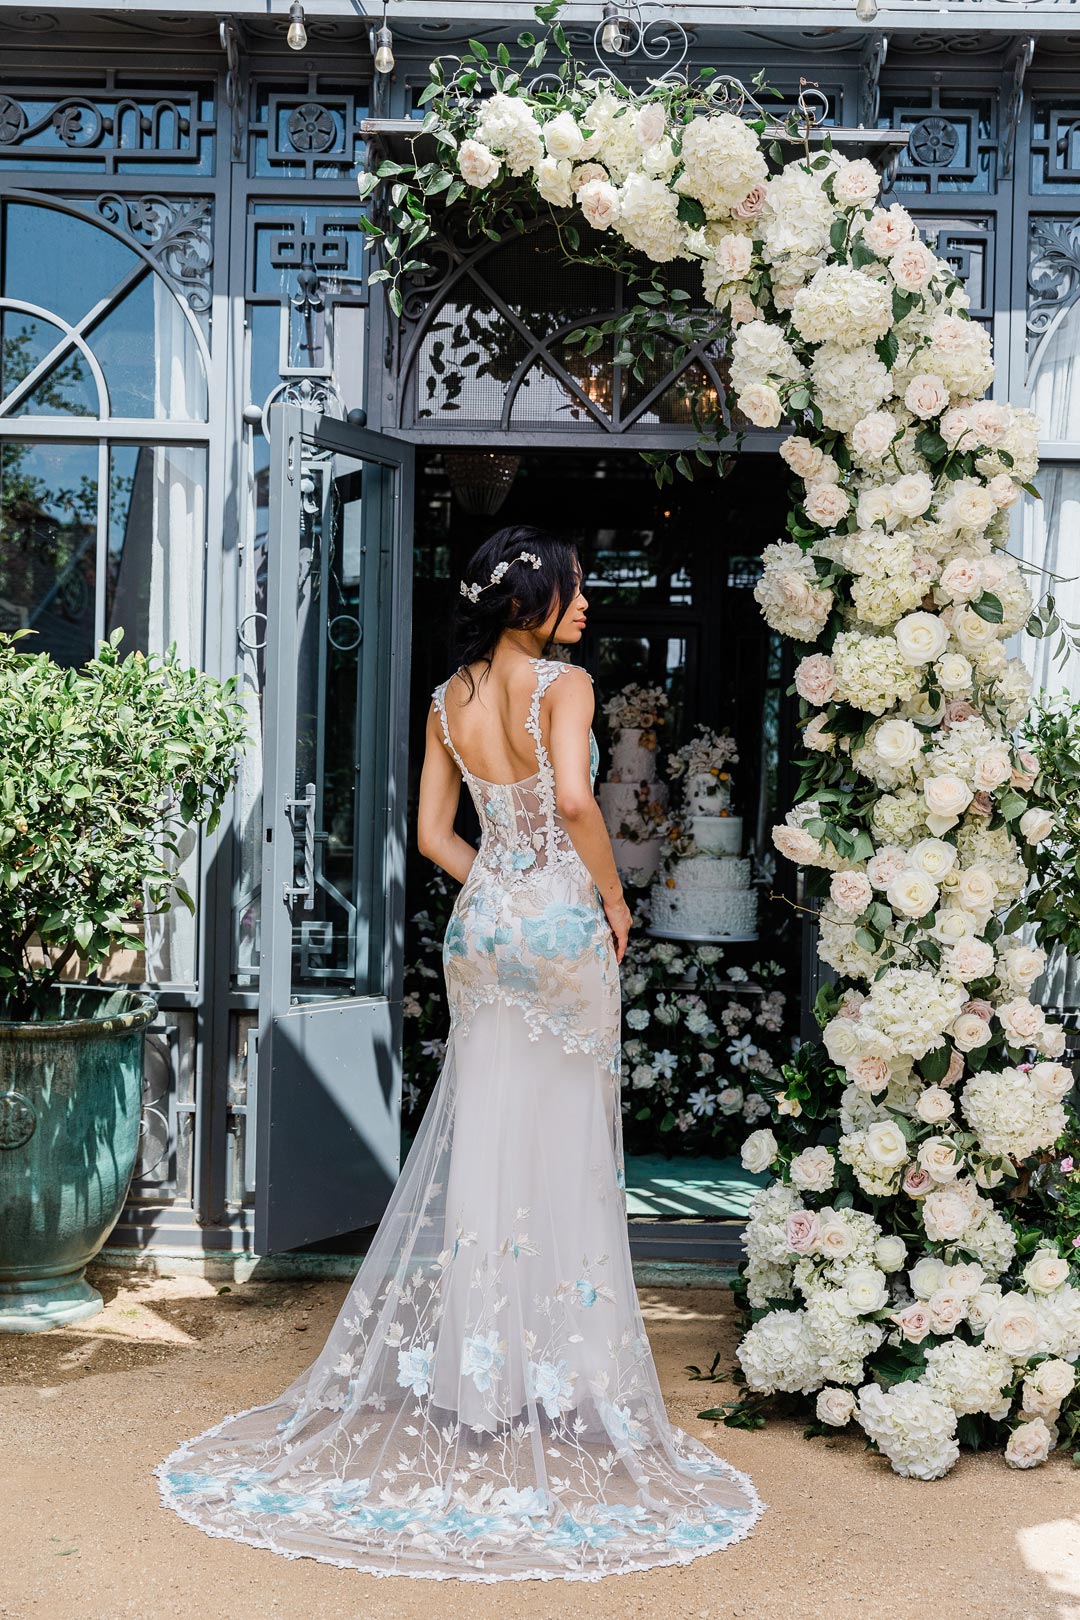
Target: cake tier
637	859
629	761
717	835
709	872
619	801
714	913
707	794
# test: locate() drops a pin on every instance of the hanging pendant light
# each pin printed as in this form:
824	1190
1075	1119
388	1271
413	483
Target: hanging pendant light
866	10
481	479
612	36
382	47
297	34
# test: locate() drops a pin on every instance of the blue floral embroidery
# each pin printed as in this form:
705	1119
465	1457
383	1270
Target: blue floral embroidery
551	1383
585	1291
684	1534
571	1532
515	974
480	1358
522	859
414	1368
455	942
561	930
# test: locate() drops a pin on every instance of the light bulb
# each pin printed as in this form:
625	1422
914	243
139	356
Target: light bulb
611	38
866	10
297	34
384	55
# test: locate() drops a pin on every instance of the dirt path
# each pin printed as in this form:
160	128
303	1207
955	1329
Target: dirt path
86	1412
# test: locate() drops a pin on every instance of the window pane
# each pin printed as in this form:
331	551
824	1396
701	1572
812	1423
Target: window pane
48	539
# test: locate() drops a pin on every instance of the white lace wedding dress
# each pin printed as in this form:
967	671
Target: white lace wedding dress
486	1405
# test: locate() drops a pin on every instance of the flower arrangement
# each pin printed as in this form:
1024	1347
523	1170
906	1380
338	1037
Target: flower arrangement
899	1269
708	754
638	708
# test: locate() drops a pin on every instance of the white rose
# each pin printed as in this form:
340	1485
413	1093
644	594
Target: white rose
857	184
840	1038
866	1290
1023	964
835	1407
981	1307
966	1279
834	1237
1014	1327
937	1155
897	742
885	1144
991	769
1035	825
953	924
961	579
947	797
562	137
554	181
1021	1020
912	494
934	857
947	1310
1029	1445
946	1215
758	1151
599	202
476	164
813	1170
975	888
912	894
934	1106
926	396
872	435
1046	1386
969	1031
803	457
875	505
761	404
954	672
732	257
921	637
927	1276
1052	1081
650	122
890	1253
1046	1273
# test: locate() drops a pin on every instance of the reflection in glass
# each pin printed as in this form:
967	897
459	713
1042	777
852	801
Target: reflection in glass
63	388
48	538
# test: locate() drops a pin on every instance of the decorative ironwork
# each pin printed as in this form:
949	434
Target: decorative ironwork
1053	274
967	245
178	234
1019	61
311	127
934	142
870	87
1055	145
642	29
232	43
112	129
953	139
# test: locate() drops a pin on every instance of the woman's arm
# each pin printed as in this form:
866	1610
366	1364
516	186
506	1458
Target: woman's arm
571	710
440	790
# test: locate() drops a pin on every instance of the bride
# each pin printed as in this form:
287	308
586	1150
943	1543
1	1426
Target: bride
486	1405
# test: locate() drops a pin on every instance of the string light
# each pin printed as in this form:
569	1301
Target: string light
866	10
382	44
297	35
612	39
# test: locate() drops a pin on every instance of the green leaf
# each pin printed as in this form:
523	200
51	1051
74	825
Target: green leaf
988	607
887	349
691	213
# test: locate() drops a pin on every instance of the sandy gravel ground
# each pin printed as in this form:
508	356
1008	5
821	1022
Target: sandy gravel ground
86	1412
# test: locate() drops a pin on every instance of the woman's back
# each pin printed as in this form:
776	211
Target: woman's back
490	724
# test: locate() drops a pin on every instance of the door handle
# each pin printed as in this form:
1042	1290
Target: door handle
301	813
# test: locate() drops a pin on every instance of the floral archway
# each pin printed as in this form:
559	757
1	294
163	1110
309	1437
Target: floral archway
894	1268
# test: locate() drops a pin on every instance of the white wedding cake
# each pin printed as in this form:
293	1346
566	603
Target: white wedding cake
705	890
633	802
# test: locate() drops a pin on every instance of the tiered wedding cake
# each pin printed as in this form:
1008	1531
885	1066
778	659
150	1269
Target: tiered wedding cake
704	891
633	802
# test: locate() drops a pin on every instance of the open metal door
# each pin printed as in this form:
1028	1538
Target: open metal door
333	875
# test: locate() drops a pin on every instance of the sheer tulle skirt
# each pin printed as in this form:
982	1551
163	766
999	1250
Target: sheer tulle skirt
486	1405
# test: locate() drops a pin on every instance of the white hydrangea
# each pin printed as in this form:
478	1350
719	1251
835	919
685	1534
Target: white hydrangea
871	673
761	354
508	125
970	1377
778	1355
899	818
649	218
1008	1116
843	306
840	1341
796	220
991	1241
848	384
722	163
911	1008
788	593
912	1426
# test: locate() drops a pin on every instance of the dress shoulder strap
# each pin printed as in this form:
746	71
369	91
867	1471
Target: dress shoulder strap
438	698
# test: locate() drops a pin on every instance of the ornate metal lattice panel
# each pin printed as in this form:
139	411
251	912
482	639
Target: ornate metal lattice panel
1055	145
306	128
1053	273
968	244
110	123
163	1164
953	139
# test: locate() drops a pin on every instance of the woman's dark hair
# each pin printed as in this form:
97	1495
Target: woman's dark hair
521	599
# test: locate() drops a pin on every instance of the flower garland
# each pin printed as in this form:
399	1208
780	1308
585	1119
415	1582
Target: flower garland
895	1269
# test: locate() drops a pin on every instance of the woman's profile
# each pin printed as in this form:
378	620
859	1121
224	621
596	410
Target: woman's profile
486	1405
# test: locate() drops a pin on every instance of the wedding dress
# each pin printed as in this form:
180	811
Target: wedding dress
486	1405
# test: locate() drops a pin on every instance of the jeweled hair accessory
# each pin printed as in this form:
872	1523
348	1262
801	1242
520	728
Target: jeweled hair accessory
474	591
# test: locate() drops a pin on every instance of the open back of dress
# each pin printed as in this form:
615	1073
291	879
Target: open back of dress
486	1405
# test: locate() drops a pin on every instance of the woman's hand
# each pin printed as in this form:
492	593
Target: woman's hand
617	913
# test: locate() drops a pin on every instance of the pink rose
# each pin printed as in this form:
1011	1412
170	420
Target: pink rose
979	1007
801	1229
752	203
815	678
961	579
869	1074
851	1004
926	396
955	1070
1024	774
917	1181
851	891
913	1322
981	805
958	709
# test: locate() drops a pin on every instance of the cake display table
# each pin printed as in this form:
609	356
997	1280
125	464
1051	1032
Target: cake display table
701	939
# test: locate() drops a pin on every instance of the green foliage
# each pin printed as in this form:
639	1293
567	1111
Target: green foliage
1053	730
102	769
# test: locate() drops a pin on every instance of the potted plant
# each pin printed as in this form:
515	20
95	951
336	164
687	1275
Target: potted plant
101	769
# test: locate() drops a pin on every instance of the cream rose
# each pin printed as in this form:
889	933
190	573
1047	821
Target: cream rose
1052	1081
872	435
796	845
758	1151
840	1038
1046	1273
946	1215
834	1238
992	768
869	1073
1003	491
1021	1020
947	1310
961	580
866	1290
599	202
836	1407
921	637
477	165
975	889
912	894
826	504
813	1170
1014	1327
946	797
803	457
927	1276
1029	1445
934	1106
1046	1386
926	396
937	1155
815	678
913	267
890	1253
562	137
954	672
885	1144
851	891
898	743
857	184
970	1032
1035	825
934	857
650	122
761	404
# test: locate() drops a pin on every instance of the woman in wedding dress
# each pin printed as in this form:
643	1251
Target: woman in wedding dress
486	1405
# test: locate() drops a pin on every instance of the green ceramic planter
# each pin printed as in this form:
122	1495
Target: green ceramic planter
70	1106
